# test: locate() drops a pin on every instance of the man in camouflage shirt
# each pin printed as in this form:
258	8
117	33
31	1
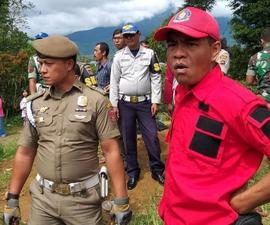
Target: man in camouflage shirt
258	72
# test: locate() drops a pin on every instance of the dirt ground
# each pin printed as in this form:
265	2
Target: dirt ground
140	197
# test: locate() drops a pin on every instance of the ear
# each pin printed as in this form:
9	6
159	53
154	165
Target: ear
70	64
215	49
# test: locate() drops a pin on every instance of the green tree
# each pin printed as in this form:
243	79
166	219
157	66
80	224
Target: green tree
249	19
11	19
14	53
203	4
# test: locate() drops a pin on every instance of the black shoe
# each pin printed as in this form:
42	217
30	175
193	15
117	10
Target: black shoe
158	176
132	182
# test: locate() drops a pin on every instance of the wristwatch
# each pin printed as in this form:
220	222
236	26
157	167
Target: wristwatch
9	195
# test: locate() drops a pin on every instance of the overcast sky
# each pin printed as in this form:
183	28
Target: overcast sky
67	16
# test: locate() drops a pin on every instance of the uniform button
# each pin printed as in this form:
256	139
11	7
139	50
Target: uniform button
58	168
59	133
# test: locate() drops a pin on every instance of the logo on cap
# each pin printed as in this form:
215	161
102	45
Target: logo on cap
127	27
182	16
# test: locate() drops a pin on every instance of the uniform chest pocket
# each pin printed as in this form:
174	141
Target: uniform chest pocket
207	141
144	62
81	118
125	64
43	121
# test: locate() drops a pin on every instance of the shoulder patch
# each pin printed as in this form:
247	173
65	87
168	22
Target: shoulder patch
260	114
262	117
35	96
98	89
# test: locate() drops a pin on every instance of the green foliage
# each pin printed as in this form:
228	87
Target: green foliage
249	19
8	150
11	18
203	4
151	218
238	63
13	79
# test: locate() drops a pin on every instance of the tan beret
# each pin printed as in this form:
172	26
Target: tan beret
56	46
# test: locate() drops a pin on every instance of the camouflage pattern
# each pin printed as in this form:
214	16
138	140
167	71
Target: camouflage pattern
34	69
259	66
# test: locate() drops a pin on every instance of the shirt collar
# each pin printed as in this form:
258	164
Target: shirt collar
140	52
51	94
104	64
204	87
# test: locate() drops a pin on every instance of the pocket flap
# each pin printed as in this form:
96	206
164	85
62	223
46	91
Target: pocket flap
80	117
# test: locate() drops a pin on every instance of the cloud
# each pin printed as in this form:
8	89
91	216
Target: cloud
64	16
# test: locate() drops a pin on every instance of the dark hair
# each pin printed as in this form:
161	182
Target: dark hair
104	47
77	70
144	42
224	43
117	31
266	34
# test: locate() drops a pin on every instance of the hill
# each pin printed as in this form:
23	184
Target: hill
87	39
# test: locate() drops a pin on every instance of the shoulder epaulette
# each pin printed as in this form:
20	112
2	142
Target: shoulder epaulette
34	96
98	89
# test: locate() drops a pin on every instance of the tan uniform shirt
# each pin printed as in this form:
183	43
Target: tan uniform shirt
68	129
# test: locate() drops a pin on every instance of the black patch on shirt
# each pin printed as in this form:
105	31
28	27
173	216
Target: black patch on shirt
203	106
266	129
205	144
210	125
260	114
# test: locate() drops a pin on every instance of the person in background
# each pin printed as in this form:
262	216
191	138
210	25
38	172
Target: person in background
258	72
170	84
219	135
103	72
34	76
135	94
23	107
223	58
2	119
118	39
144	43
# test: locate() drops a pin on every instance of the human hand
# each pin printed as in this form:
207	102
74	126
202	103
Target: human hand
12	214
107	88
154	108
116	112
170	109
121	214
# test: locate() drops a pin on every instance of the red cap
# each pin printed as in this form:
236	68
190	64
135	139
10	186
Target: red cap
193	22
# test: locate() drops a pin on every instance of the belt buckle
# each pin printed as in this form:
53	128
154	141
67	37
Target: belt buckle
62	189
134	99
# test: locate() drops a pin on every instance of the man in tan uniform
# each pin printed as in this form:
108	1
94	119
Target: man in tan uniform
67	121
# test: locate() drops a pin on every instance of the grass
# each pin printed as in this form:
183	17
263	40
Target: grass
8	150
12	124
261	172
151	218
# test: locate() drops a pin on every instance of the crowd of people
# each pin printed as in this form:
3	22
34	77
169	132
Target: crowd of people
214	148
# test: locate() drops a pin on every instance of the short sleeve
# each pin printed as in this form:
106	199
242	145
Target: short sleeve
251	66
28	137
256	129
106	123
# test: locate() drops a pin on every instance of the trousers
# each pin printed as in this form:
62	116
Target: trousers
49	208
141	112
249	219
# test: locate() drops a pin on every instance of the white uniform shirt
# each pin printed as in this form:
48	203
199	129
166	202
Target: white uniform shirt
223	59
132	75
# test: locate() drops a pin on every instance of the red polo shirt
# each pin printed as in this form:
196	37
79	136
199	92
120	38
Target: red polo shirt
219	133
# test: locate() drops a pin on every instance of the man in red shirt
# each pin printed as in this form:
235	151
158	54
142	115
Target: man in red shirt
219	134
